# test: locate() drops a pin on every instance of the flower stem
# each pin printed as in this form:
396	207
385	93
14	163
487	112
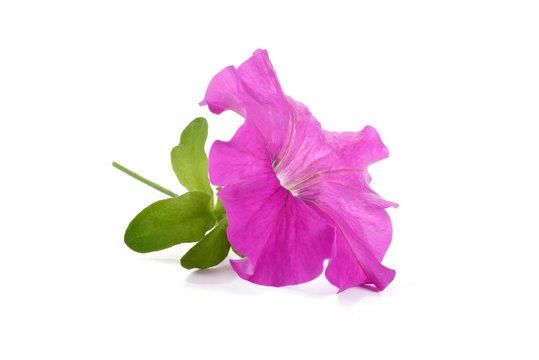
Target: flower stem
144	180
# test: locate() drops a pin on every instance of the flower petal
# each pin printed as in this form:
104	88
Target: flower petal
364	230
359	149
285	241
242	158
345	270
341	191
222	93
254	92
296	194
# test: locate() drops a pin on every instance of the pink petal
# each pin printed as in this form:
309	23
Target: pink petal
285	180
285	241
221	93
340	189
242	158
254	92
359	149
346	270
364	229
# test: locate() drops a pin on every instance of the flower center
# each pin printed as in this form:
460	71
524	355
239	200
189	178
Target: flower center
284	183
298	184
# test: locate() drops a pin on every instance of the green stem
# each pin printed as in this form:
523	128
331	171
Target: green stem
144	180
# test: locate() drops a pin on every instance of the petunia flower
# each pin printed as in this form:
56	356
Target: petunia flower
296	195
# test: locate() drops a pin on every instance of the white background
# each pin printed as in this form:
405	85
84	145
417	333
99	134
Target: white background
452	87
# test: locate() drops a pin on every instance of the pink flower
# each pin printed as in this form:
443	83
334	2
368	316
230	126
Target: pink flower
296	195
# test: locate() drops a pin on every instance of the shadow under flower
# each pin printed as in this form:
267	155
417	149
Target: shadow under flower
169	256
222	274
317	288
165	260
354	295
221	278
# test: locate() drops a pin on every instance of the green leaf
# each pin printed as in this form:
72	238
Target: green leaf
209	251
168	222
189	160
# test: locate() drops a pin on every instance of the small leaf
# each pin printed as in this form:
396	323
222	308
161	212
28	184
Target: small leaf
189	160
209	251
168	222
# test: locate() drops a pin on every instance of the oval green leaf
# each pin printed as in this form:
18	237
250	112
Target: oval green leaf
189	160
209	251
169	222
